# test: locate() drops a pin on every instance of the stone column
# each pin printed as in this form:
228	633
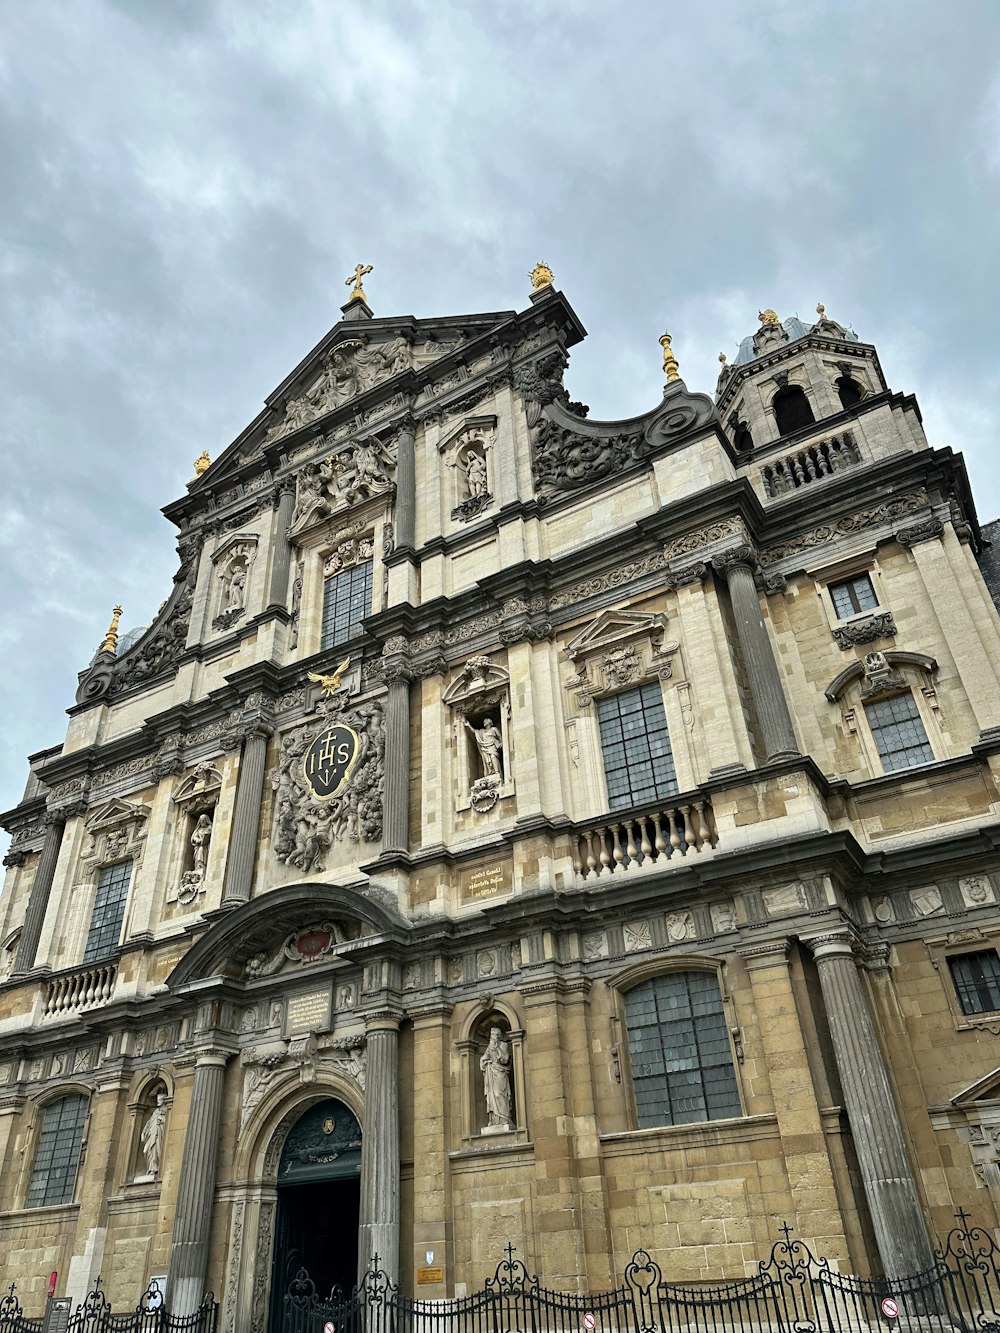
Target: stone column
379	1229
282	547
395	827
38	899
890	1187
196	1188
246	817
406	488
432	1213
777	732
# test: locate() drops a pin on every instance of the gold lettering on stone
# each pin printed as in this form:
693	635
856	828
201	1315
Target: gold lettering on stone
309	1013
487	880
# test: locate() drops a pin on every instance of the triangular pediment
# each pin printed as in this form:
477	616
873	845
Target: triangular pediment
615	627
985	1089
113	813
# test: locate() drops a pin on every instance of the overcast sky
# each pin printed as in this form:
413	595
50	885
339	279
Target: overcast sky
186	184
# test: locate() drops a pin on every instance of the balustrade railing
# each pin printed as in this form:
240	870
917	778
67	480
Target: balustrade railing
629	841
80	989
813	463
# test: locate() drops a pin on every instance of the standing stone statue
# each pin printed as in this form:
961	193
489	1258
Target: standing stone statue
490	743
494	1064
152	1135
237	584
475	474
200	839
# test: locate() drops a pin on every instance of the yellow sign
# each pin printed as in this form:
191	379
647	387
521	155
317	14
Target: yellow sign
429	1277
327	763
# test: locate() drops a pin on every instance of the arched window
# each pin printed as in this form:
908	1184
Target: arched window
850	391
679	1051
743	440
57	1153
792	410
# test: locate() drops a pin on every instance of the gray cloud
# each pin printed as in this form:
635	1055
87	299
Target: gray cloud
187	185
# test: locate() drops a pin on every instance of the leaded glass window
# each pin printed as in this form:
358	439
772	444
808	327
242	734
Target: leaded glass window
853	596
679	1051
57	1154
109	911
977	981
899	733
347	599
638	761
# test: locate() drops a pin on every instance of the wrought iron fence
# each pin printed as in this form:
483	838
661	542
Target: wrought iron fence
95	1315
792	1292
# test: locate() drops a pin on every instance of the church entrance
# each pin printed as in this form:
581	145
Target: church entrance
319	1194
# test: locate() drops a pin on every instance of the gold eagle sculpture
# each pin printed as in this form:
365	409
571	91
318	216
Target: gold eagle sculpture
330	684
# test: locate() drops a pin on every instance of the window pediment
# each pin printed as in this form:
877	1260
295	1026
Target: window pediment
619	648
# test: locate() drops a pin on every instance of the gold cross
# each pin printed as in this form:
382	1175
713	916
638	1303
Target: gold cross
358	292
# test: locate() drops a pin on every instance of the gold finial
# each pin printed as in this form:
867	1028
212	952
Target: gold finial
821	310
330	684
110	644
722	357
670	366
541	276
202	463
357	291
767	316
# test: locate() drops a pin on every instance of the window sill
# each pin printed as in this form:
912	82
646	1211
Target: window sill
49	1212
704	1134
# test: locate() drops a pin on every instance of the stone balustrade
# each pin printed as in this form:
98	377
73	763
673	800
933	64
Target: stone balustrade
83	988
632	841
812	463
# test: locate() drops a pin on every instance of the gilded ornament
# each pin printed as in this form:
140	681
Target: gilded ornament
110	644
202	463
821	311
541	276
767	317
357	291
670	366
330	684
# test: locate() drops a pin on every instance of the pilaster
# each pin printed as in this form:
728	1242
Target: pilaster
378	1233
396	836
246	817
38	898
432	1207
281	560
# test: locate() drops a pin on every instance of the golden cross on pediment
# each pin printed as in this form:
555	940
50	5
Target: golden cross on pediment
357	291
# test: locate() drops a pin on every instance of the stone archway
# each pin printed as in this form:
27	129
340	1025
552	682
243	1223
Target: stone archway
255	1194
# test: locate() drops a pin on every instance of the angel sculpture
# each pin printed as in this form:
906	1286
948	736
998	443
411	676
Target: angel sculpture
330	684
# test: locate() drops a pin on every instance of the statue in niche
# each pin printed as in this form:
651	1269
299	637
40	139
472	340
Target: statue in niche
237	585
200	839
489	740
151	1139
475	473
494	1064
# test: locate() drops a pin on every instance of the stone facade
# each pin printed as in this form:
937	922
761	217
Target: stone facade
347	864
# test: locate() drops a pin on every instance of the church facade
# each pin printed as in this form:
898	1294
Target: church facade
516	827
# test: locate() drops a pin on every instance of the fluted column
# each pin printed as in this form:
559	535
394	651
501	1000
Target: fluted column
246	817
379	1230
196	1188
406	488
281	546
38	899
777	732
890	1187
395	825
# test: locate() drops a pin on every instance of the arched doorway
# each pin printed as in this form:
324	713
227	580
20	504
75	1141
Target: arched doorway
319	1191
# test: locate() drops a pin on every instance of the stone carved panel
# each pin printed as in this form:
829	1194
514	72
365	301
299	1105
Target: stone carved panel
790	898
866	630
927	900
976	890
363	469
305	828
877	516
115	831
351	368
616	649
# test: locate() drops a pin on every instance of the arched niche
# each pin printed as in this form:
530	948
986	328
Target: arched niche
472	1045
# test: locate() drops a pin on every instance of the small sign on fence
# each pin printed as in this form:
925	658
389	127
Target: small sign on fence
329	1327
589	1322
890	1308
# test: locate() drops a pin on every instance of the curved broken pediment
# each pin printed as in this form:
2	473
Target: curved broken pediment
266	924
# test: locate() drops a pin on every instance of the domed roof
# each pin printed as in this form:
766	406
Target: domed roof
794	328
133	636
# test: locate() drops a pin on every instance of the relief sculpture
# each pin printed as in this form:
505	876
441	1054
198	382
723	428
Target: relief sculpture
350	369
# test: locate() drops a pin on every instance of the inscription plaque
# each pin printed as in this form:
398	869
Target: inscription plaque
309	1012
484	881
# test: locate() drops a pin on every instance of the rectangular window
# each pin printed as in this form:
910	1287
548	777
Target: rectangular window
638	761
899	732
853	596
977	981
682	1063
109	911
57	1156
347	599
